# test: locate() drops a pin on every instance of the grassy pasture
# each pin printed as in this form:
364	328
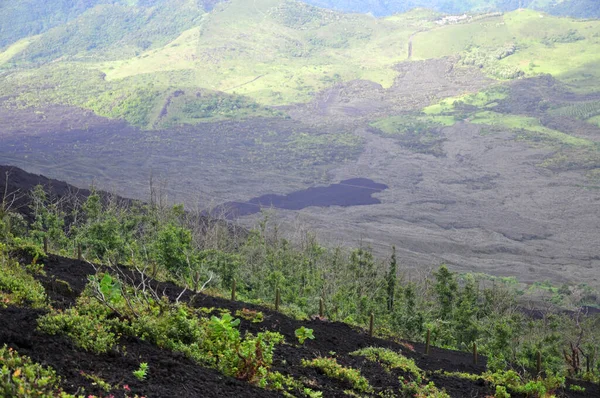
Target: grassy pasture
519	122
14	49
594	120
568	49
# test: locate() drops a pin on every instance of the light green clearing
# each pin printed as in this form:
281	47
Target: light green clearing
594	120
575	63
483	99
283	52
528	124
15	49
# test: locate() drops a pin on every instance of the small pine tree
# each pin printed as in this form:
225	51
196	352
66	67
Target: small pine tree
412	318
391	281
445	289
48	218
465	314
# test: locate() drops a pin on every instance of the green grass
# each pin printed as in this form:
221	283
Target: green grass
274	53
14	49
453	39
417	133
530	124
114	31
278	52
540	45
472	106
594	120
483	99
396	125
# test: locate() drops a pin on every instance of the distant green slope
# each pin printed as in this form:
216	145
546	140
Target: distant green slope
178	63
115	30
523	42
22	18
577	8
274	52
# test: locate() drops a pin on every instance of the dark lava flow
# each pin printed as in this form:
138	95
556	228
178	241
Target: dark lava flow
352	192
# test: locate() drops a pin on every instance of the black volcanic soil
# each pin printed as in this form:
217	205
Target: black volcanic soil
351	192
171	374
17	184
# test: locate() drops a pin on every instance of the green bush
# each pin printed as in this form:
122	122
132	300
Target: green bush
304	333
391	360
87	325
17	287
331	368
20	377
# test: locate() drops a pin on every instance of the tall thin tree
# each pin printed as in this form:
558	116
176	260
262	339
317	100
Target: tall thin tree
392	280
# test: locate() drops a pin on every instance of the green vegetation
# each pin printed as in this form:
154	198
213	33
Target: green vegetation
303	333
529	124
250	315
14	49
20	377
331	368
113	30
418	133
160	67
391	360
595	120
530	43
353	285
454	108
412	379
23	378
17	285
157	69
295	51
583	111
509	381
471	107
576	8
108	309
141	372
87	325
190	109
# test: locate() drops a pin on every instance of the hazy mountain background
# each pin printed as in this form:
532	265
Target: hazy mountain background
32	17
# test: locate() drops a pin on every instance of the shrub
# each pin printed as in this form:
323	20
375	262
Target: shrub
250	315
17	287
141	372
304	333
20	377
87	325
391	360
331	368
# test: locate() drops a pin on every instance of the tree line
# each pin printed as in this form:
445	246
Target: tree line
349	285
